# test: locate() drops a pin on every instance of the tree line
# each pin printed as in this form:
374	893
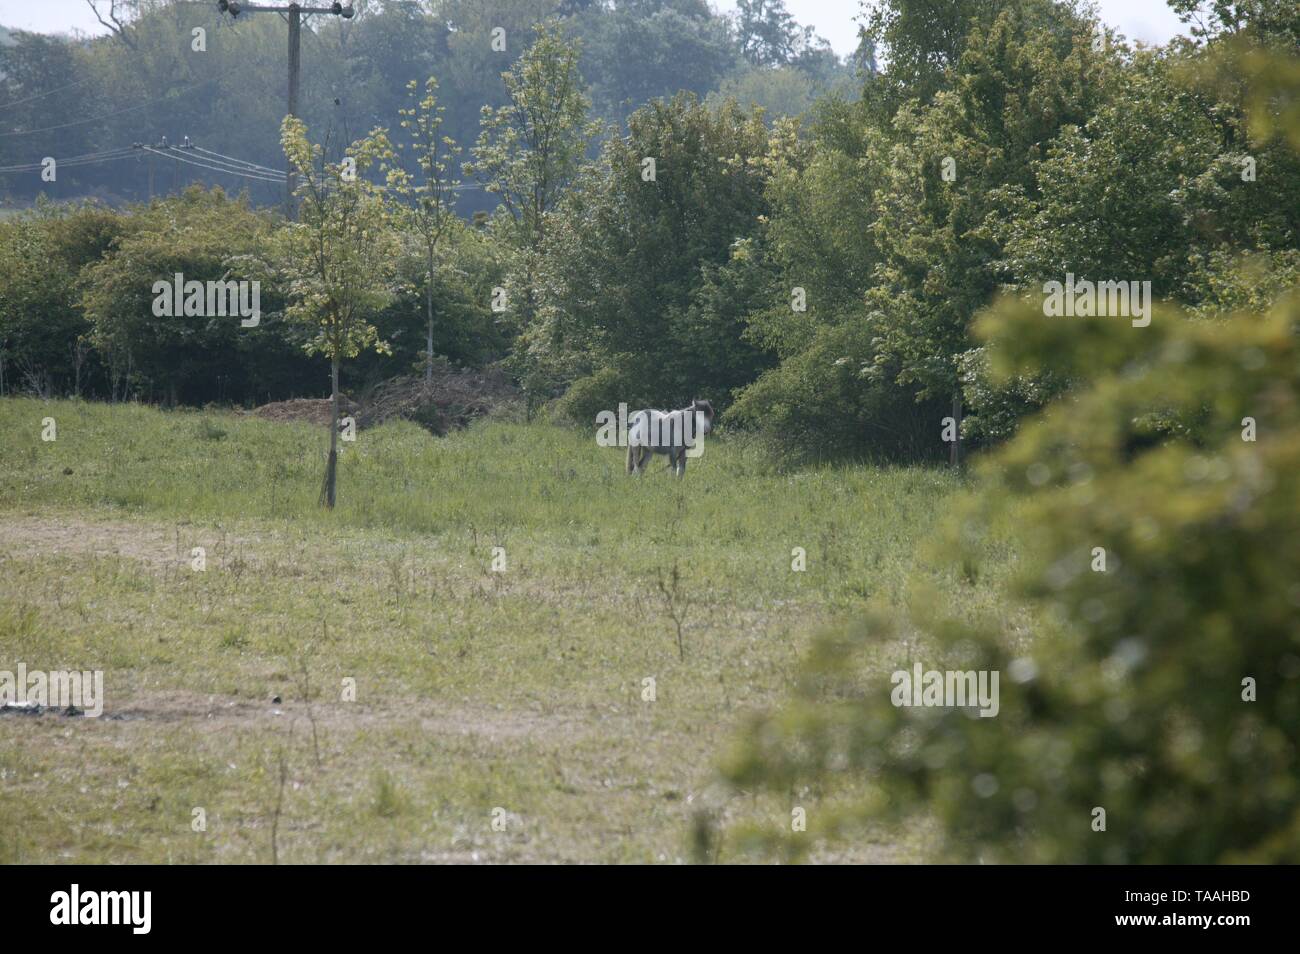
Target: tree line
152	78
816	275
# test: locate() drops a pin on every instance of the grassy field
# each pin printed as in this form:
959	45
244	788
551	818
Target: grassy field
517	696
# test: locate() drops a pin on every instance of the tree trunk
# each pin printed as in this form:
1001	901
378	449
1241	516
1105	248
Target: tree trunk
428	311
332	465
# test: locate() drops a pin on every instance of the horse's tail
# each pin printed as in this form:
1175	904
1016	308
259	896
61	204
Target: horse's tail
633	457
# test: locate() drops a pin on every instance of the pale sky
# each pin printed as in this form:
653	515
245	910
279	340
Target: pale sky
1149	20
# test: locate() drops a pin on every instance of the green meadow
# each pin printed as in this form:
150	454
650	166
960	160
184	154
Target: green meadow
498	647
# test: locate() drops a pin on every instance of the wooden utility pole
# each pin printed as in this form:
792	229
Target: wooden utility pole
294	12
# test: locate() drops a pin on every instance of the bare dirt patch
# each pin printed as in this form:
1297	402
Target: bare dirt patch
58	535
219	713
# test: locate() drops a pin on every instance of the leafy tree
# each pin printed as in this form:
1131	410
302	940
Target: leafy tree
770	39
433	194
636	267
44	334
1219	19
468	66
1171	170
143	80
922	39
1159	184
636	52
530	149
203	236
528	153
768	34
783	91
1016	86
892	228
470	263
818	403
338	257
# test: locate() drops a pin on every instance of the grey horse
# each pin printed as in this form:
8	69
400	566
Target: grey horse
666	432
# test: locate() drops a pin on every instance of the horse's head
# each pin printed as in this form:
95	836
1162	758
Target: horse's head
703	412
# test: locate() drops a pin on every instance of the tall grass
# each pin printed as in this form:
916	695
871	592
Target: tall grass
475	689
515	485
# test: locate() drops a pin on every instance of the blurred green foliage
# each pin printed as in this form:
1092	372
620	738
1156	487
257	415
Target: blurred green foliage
1152	513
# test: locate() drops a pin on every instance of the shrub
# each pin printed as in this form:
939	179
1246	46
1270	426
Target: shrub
1162	689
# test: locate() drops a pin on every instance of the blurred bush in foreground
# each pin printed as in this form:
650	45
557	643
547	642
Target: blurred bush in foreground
1164	689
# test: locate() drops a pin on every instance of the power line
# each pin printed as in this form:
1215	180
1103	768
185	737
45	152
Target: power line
258	173
84	159
253	166
95	119
211	160
256	167
295	12
48	92
78	122
242	162
237	169
64	165
171	153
